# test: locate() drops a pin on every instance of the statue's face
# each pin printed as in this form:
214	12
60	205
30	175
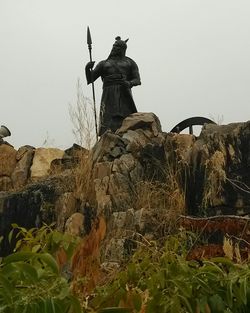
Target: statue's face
117	50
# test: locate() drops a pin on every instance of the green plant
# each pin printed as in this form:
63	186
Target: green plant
30	282
44	239
162	280
30	278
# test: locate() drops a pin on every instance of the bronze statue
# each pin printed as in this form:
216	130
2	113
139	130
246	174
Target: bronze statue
119	74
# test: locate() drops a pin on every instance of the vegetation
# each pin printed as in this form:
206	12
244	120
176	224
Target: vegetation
156	280
162	280
31	279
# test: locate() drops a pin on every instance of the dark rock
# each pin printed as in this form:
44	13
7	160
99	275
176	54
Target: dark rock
31	206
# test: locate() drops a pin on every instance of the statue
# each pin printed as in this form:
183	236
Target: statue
119	74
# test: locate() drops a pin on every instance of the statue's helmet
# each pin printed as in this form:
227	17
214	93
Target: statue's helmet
119	47
121	43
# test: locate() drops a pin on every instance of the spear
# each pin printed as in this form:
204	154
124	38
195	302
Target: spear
89	42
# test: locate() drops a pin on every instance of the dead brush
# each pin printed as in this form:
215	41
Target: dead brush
82	118
163	201
83	178
215	177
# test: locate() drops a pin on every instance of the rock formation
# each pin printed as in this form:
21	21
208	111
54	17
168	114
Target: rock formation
136	181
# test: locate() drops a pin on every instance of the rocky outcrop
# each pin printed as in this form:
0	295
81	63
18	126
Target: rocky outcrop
144	178
220	170
137	180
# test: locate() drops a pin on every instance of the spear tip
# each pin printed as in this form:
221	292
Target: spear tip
89	40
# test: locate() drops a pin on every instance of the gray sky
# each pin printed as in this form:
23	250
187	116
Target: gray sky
193	57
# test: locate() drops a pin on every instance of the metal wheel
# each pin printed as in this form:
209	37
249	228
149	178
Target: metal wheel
190	122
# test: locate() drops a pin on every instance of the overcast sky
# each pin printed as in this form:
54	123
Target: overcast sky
193	57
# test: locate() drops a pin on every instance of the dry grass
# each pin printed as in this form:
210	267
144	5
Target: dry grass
164	201
83	178
214	180
82	118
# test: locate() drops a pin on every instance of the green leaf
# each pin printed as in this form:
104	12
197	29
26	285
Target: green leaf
243	289
57	237
229	294
28	270
8	270
75	304
185	301
18	256
19	309
6	284
10	235
137	302
186	289
50	261
115	310
222	260
60	306
216	303
36	248
14	225
6	289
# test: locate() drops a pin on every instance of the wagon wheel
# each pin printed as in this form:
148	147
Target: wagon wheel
190	122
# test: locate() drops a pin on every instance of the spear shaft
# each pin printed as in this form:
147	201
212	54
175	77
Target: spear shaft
89	42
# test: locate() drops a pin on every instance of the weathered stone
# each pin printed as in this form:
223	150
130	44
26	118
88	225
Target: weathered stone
57	166
22	151
102	197
105	145
75	151
114	251
5	183
141	120
124	165
117	151
182	145
137	139
74	224
7	160
120	192
21	173
42	161
119	220
137	173
110	267
102	169
65	206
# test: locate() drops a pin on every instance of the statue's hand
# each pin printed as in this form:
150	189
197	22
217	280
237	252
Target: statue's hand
126	84
90	65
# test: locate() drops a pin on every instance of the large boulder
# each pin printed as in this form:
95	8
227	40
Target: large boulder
42	161
21	172
7	160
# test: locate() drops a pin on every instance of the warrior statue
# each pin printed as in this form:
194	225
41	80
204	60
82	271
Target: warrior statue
119	74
